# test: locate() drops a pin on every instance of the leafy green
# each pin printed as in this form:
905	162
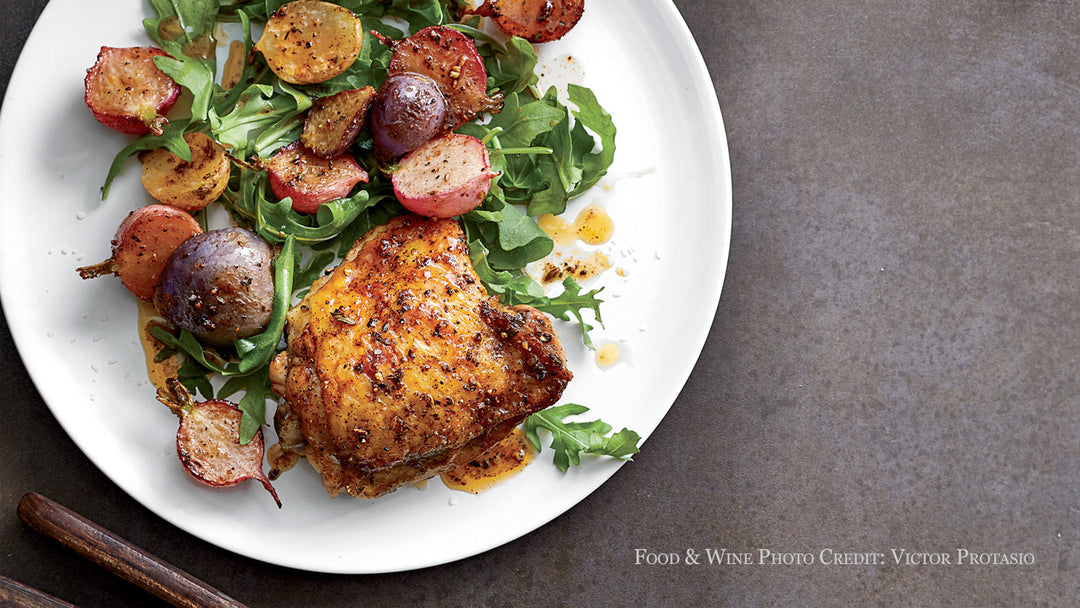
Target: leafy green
511	69
185	30
547	181
570	439
257	351
275	220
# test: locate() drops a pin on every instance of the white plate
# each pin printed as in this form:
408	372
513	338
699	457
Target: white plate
668	192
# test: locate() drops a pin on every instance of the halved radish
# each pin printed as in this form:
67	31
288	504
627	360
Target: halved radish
333	122
142	245
208	440
127	92
189	185
447	176
310	41
312	180
450	58
533	20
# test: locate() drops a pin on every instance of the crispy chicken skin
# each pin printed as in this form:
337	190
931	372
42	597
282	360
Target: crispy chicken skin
399	366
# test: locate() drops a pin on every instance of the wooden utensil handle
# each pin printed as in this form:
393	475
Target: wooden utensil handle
14	593
120	557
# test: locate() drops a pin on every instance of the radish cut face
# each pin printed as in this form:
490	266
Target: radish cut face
333	122
189	185
445	177
127	92
533	20
208	441
310	41
312	180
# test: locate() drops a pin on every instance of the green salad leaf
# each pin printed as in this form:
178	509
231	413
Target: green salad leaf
185	30
570	439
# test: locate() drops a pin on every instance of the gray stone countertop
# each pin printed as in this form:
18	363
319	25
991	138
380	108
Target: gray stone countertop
891	376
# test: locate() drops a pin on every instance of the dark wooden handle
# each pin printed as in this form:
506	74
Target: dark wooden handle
120	557
13	593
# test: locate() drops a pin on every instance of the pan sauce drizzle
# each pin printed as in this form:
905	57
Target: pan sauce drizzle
504	460
593	226
158	371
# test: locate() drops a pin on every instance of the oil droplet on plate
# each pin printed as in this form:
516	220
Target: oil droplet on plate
593	226
608	355
157	371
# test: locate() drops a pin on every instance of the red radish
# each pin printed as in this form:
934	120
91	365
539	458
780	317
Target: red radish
127	92
312	180
208	440
450	58
447	176
142	245
533	20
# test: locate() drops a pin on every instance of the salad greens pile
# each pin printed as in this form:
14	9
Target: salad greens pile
545	151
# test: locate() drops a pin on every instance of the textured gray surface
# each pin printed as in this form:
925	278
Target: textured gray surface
892	365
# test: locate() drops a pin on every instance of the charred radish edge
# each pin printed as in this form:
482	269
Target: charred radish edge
310	180
152	103
242	461
534	20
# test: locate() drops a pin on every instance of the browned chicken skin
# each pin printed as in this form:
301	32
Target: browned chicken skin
399	366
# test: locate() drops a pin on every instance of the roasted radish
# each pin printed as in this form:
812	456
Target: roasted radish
333	122
127	92
533	20
408	111
188	185
310	41
447	176
450	59
208	440
218	285
142	245
311	180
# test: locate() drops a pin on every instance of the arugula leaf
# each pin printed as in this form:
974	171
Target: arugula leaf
252	405
571	302
275	220
570	439
257	351
593	116
510	68
185	30
261	121
418	13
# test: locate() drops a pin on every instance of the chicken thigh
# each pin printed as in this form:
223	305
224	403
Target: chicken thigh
399	366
